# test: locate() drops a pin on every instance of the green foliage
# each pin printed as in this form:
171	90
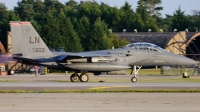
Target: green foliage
84	30
5	17
148	21
106	14
91	10
72	3
38	6
50	30
117	20
194	22
152	8
3	10
98	39
128	17
85	25
68	34
116	42
24	10
180	21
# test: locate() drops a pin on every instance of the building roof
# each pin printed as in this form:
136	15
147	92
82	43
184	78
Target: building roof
158	38
191	34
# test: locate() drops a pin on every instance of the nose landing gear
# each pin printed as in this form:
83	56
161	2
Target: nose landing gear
134	78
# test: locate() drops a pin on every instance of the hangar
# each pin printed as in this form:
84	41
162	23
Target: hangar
2	49
182	43
7	64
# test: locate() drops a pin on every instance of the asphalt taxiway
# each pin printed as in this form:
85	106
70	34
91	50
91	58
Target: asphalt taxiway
95	102
29	82
52	82
85	86
100	102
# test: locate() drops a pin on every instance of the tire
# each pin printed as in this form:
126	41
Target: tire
74	78
134	79
84	78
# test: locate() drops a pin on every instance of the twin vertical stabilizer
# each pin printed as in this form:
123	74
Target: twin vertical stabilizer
15	28
26	40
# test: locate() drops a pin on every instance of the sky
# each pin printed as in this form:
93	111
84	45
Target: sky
170	6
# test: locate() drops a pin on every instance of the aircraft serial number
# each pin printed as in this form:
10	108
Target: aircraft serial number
38	50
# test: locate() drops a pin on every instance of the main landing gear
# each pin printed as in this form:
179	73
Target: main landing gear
134	78
76	78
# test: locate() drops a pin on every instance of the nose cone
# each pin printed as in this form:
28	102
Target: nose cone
184	61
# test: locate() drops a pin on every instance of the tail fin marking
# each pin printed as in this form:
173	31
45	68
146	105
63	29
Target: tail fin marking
32	44
16	37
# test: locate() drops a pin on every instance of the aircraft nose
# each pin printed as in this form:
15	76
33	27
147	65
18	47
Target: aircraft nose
184	61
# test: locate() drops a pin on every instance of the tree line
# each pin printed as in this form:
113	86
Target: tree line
88	25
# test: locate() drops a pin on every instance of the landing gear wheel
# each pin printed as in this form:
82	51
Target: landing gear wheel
84	78
134	79
74	78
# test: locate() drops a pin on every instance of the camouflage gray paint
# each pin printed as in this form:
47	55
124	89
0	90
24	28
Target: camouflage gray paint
34	51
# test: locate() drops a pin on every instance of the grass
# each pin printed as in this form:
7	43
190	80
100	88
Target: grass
152	71
104	91
168	80
7	80
143	72
158	79
157	72
146	71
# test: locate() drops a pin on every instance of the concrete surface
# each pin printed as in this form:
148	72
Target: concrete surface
52	82
100	102
94	102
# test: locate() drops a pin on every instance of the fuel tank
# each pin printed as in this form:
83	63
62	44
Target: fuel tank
97	66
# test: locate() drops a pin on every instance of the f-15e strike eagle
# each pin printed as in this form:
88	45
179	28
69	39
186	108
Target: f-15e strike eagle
29	48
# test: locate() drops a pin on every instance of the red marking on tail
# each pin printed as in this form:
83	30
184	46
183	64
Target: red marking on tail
25	23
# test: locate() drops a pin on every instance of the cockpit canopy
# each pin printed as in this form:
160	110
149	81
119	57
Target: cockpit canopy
145	46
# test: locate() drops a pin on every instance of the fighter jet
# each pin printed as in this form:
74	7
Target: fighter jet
29	48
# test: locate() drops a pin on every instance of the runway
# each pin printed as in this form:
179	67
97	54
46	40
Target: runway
52	82
100	102
92	85
96	102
